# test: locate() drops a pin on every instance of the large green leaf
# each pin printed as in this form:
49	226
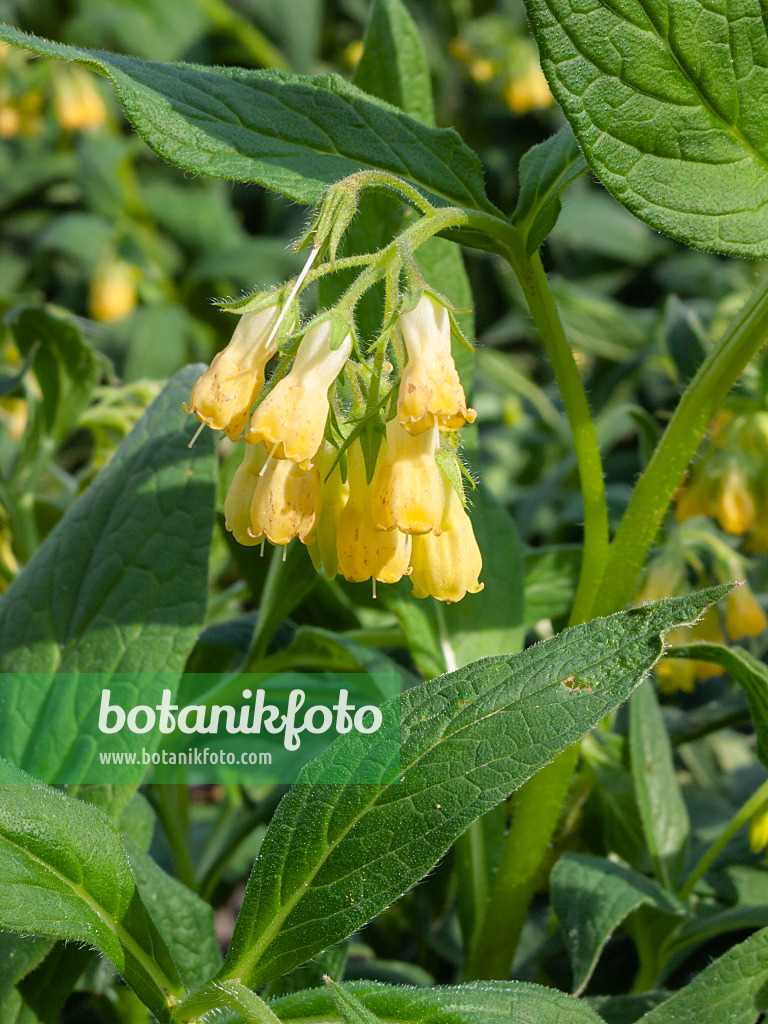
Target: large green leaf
183	919
486	1002
732	990
591	896
334	856
291	133
667	98
119	586
64	874
662	809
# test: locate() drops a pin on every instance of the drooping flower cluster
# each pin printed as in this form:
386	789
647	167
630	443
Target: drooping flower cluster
373	488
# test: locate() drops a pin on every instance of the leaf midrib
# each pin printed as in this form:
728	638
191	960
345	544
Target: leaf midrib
272	932
123	936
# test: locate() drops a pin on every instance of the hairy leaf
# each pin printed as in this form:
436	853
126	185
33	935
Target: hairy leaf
659	800
335	856
732	990
64	874
749	673
591	896
546	171
667	98
291	133
118	586
486	1002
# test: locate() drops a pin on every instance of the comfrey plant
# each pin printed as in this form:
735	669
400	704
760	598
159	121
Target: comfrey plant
352	446
372	486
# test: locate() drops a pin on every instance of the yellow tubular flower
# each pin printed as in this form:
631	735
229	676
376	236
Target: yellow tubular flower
691	500
447	566
334	493
78	101
758	829
286	502
408	492
430	389
736	508
237	506
291	419
365	552
223	396
743	615
113	292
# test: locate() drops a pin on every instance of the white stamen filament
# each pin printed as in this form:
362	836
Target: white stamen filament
285	551
292	296
373	581
198	432
268	463
261	554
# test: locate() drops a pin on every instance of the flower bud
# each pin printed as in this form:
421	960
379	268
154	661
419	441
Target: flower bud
223	396
237	506
408	492
365	552
286	502
291	419
430	389
447	566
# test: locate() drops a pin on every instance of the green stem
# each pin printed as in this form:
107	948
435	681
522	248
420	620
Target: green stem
700	402
536	810
743	815
170	803
257	44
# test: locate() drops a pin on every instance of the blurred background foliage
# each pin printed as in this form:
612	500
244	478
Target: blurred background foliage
109	260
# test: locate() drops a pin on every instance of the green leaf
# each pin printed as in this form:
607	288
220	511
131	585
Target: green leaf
485	1002
119	586
293	134
350	1008
732	990
183	919
492	621
659	800
64	874
63	362
394	65
667	101
546	171
591	896
335	856
749	673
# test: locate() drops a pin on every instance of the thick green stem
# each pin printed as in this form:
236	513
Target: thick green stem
224	995
538	804
700	402
742	816
536	811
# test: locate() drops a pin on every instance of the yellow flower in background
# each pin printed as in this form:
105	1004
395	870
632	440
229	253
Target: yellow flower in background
286	502
528	89
291	419
408	491
758	829
112	293
676	673
79	104
735	507
237	506
365	552
430	389
334	493
743	615
224	395
447	566
691	500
